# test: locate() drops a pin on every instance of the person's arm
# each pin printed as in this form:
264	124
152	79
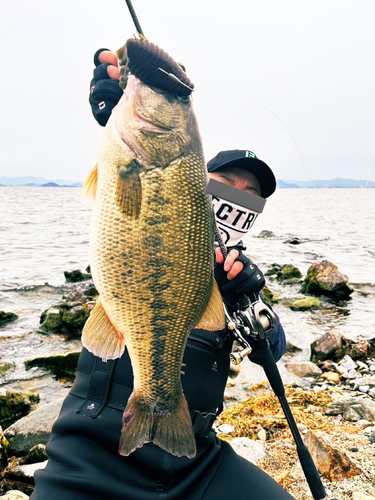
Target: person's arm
236	276
105	91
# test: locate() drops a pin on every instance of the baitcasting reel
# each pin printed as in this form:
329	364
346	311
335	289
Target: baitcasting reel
253	319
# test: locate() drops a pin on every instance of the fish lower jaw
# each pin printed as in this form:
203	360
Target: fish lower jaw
147	125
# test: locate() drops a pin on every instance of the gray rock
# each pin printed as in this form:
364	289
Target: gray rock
362	366
303	369
33	429
370	381
353	409
364	388
14	495
347	362
24	471
253	451
328	346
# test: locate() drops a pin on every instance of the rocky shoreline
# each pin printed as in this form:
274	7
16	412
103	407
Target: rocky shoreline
332	398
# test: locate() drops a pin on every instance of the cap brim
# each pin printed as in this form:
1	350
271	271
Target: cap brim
257	167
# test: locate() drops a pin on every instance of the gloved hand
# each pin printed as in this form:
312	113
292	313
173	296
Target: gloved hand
248	280
105	91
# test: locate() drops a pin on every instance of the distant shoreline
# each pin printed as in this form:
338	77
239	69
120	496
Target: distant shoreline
337	182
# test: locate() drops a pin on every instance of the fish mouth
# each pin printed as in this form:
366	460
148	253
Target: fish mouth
148	125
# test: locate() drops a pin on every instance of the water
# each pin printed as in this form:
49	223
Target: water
44	232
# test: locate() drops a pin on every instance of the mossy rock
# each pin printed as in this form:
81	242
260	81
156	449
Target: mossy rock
266	234
5	367
61	365
76	276
15	405
305	304
6	317
287	272
270	296
274	269
64	319
36	455
324	278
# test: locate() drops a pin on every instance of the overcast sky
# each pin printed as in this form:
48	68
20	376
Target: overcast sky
276	77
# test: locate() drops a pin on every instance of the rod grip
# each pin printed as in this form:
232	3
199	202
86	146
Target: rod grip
311	473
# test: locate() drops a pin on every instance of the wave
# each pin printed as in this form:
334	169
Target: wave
288	237
33	288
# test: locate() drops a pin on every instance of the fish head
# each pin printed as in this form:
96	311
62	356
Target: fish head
157	126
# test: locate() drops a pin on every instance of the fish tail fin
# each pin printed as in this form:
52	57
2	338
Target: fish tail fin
170	430
174	432
136	426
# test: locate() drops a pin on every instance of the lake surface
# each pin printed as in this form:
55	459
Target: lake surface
45	231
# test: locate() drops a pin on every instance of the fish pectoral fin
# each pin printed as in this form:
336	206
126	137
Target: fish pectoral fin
90	185
100	337
170	429
213	318
129	190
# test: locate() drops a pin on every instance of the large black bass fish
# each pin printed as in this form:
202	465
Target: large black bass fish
152	250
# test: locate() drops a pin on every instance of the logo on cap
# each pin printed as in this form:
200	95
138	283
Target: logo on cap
249	154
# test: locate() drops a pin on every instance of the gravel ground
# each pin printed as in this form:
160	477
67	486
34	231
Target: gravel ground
284	466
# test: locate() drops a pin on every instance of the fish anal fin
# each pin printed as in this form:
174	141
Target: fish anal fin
100	337
171	430
129	190
213	318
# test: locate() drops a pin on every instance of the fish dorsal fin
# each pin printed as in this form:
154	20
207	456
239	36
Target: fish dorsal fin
90	185
100	337
213	318
129	190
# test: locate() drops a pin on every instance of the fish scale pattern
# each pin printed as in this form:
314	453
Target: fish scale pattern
152	254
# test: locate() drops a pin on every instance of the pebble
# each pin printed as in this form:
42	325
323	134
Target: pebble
350	375
347	362
362	365
357	495
364	388
262	435
14	495
225	428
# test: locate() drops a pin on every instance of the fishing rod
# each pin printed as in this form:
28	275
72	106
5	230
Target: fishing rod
255	319
164	76
135	20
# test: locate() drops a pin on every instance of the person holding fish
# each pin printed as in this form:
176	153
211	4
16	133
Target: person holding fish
137	423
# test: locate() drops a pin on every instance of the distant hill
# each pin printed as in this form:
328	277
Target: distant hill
50	185
37	182
331	183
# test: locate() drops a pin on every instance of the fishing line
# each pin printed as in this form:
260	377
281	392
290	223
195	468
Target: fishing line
272	113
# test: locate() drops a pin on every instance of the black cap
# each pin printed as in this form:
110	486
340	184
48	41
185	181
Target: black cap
248	161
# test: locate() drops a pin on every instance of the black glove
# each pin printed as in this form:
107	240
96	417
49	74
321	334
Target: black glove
105	92
249	280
